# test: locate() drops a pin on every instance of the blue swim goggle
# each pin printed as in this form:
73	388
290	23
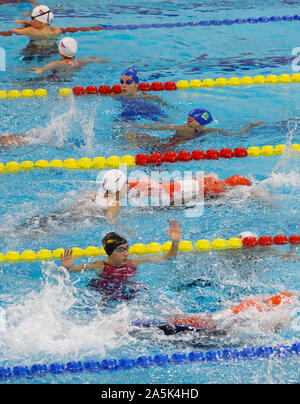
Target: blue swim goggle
128	82
122	249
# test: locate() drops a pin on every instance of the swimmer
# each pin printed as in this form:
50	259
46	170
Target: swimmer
119	266
67	50
115	187
232	319
129	85
38	29
107	202
135	104
196	126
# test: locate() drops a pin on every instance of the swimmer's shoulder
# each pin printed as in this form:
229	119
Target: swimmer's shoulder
56	31
97	267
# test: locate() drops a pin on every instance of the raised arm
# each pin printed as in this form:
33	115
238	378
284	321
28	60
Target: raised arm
174	233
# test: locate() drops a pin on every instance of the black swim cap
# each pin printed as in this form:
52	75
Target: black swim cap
111	241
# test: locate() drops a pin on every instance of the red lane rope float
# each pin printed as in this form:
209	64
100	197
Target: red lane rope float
265	241
104	89
185	156
116	89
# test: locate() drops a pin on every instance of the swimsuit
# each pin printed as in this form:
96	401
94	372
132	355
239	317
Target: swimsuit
114	282
137	108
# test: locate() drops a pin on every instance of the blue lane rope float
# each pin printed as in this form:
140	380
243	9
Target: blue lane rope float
250	20
93	366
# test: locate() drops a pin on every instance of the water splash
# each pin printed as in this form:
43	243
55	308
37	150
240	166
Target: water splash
289	160
49	323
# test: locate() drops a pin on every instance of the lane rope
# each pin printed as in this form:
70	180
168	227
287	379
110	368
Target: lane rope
147	361
114	162
155	86
154	248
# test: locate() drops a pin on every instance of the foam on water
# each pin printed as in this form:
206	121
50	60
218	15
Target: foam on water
42	323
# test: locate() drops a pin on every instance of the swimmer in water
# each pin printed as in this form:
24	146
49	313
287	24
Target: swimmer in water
107	202
43	37
234	318
135	104
115	187
116	271
38	29
67	50
196	126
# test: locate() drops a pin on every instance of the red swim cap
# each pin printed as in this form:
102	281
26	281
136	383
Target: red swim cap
237	180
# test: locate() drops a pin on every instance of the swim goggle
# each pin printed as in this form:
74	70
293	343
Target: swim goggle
128	82
44	13
122	249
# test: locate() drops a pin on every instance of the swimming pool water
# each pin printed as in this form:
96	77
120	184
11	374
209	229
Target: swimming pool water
54	317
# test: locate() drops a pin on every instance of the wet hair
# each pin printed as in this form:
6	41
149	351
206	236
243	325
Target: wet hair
111	241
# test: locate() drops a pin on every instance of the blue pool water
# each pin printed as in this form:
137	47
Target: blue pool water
53	317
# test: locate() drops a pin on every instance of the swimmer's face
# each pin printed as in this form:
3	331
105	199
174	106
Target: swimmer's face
128	85
192	123
120	254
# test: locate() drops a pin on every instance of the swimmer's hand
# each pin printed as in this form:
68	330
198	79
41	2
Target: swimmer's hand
37	70
175	231
67	259
23	22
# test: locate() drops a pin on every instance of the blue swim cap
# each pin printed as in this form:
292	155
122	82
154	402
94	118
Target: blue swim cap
132	72
202	116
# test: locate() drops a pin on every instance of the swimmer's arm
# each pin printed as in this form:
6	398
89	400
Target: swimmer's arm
22	31
113	211
153	127
94	59
288	255
50	66
67	261
174	234
245	130
25	23
61	64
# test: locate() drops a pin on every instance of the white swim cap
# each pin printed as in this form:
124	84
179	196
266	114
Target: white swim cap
113	181
68	47
42	14
245	234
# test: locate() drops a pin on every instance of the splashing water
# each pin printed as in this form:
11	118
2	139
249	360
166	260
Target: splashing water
41	324
62	127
